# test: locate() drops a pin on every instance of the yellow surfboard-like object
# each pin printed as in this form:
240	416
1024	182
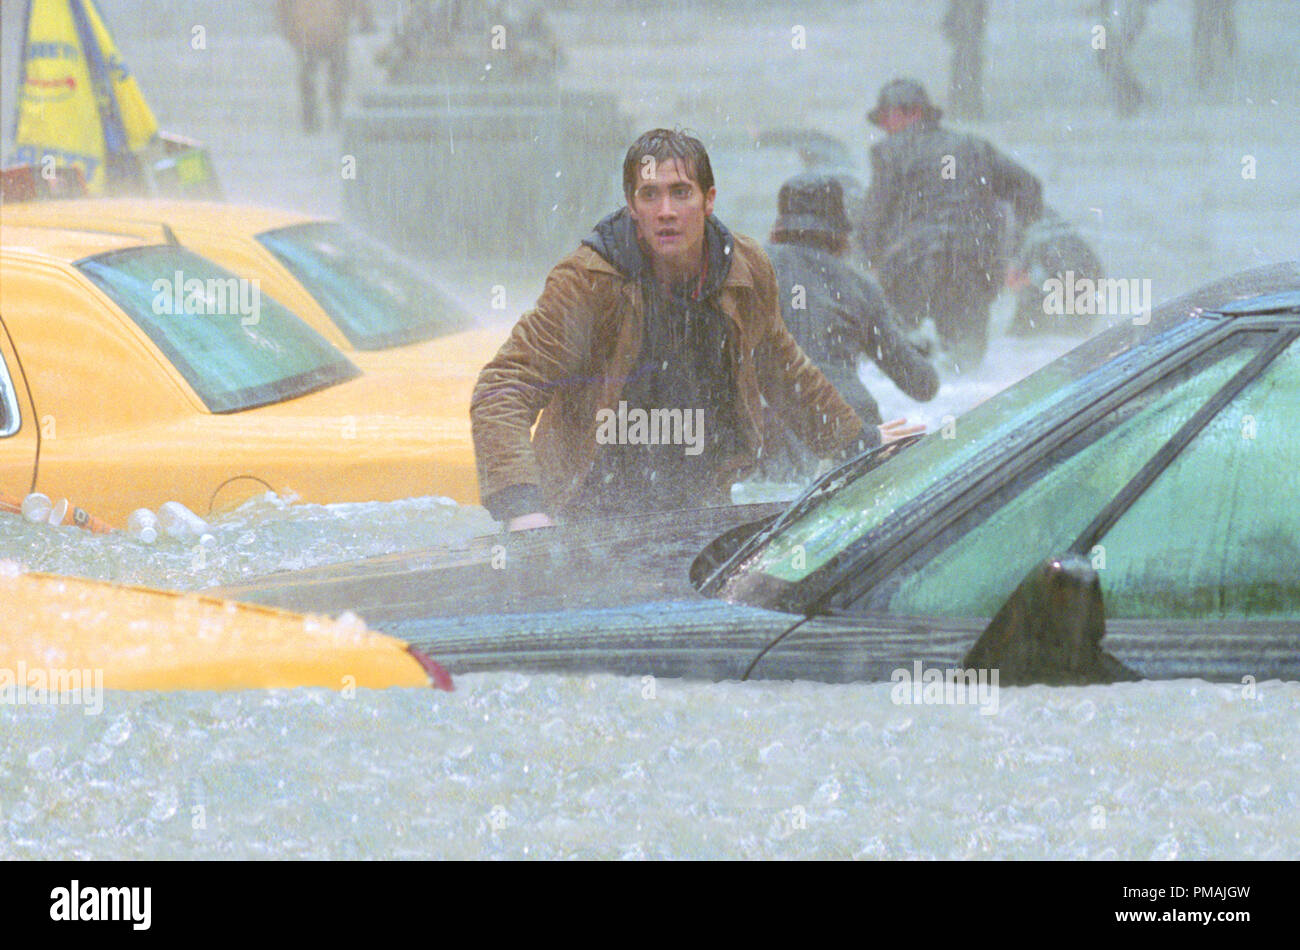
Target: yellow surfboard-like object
61	633
58	104
137	119
79	106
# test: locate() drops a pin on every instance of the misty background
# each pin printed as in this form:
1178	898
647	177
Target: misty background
1161	195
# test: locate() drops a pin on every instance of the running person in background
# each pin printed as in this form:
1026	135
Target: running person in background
964	25
836	313
662	313
933	219
1049	249
1122	23
1214	40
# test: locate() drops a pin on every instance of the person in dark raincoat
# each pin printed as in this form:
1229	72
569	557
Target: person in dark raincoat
835	312
1050	248
933	221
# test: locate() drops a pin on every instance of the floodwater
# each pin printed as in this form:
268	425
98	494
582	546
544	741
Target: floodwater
511	765
515	766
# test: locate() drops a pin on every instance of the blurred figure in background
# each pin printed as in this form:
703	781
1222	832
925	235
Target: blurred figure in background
1049	249
1122	22
1214	39
318	32
932	221
835	313
964	25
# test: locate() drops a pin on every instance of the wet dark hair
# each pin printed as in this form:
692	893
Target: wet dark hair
664	145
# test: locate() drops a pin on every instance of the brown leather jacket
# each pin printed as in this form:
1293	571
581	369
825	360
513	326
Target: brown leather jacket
570	355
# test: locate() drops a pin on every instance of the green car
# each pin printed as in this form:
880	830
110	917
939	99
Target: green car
1130	510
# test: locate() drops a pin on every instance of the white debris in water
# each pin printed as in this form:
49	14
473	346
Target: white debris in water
586	767
265	535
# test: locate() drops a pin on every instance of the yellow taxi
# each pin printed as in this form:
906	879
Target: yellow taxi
137	373
362	297
62	636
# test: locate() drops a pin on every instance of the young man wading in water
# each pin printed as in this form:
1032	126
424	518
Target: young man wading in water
646	356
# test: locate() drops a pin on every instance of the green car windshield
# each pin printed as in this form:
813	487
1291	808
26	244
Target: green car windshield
373	296
844	517
1215	535
237	348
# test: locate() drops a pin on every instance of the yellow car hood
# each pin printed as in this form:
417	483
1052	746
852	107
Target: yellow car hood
57	631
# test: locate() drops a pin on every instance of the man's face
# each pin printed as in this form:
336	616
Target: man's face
669	210
896	120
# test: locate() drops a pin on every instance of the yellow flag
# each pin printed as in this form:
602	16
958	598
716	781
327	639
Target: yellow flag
137	117
58	115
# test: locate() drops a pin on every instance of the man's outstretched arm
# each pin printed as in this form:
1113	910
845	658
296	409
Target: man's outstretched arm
546	350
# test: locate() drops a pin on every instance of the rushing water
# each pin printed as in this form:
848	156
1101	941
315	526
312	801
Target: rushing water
511	765
604	767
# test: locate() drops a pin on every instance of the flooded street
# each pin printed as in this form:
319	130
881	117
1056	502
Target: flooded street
512	766
602	767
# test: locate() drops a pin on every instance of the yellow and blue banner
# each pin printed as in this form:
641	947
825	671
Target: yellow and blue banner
78	103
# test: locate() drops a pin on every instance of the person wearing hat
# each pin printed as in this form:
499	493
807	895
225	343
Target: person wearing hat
836	312
934	216
637	382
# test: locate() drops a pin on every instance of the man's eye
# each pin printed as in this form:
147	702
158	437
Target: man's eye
681	191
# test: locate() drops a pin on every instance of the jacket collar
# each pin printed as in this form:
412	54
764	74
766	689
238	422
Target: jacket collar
619	252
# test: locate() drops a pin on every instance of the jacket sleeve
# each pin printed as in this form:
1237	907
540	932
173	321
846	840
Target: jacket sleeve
548	348
1016	184
884	342
795	387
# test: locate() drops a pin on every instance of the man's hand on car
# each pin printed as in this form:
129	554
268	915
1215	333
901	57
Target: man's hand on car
896	429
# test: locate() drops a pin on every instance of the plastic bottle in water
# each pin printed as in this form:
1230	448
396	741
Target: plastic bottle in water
142	524
59	513
37	508
179	522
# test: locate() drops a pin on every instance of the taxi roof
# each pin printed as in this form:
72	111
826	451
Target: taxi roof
62	244
106	212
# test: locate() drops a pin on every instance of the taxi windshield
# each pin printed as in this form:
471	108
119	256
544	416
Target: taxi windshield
377	299
237	348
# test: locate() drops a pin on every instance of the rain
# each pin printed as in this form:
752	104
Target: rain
479	143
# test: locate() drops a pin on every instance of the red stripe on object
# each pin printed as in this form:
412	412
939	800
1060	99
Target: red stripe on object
440	678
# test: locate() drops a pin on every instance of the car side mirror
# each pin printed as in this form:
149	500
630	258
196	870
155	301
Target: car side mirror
1050	630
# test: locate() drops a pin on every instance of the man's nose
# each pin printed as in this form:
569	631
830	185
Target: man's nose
665	207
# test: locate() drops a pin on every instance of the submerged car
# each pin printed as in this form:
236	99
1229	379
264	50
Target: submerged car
362	297
1142	488
114	397
70	635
